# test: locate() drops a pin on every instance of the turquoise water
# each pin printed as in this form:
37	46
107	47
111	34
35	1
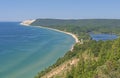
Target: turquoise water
103	37
24	51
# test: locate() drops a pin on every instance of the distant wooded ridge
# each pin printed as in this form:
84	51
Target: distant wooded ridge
82	27
78	22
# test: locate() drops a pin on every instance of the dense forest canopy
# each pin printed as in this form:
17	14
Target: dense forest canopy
79	22
87	25
97	59
82	27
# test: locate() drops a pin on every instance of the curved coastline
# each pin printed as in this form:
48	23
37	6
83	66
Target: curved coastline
71	34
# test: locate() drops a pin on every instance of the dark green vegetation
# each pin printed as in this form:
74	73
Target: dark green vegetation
97	59
82	27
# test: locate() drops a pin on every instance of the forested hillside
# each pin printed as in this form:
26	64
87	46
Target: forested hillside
97	59
82	27
88	25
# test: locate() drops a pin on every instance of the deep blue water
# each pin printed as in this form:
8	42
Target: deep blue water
24	51
103	37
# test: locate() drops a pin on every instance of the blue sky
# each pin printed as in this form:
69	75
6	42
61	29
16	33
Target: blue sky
18	10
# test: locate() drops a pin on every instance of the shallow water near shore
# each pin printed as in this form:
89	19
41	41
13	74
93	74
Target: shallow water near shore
24	51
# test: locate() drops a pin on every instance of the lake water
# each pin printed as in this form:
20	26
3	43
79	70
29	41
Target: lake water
103	37
24	51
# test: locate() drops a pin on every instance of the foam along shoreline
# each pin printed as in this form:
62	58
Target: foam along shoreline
71	34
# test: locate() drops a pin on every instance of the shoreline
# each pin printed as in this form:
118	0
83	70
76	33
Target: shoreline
68	33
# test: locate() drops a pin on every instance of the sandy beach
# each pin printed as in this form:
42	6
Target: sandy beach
62	67
27	23
73	35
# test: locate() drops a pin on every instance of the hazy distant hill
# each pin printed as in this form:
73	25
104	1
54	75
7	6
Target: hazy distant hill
79	22
82	27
